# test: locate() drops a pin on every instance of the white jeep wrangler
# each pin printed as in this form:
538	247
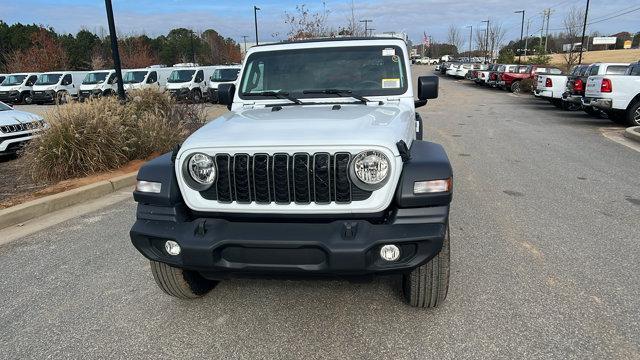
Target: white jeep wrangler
318	170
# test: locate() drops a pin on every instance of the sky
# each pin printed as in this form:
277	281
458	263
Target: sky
235	18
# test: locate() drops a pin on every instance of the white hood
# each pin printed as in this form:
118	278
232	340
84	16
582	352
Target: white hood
15	117
10	88
44	87
307	126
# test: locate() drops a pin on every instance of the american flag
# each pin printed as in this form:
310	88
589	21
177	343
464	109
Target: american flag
425	40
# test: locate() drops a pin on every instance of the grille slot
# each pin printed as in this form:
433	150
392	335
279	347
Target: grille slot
301	178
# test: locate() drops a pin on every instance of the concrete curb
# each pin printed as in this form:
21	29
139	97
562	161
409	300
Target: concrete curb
633	133
32	209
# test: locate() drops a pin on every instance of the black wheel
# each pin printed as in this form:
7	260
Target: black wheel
633	114
196	96
62	97
26	98
515	87
427	286
180	283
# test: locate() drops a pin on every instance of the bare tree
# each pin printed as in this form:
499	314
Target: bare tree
573	22
454	38
305	24
353	27
496	37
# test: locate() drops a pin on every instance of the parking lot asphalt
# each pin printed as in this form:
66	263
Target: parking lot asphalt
545	264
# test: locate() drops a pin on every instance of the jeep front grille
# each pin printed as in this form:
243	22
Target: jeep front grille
7	129
300	178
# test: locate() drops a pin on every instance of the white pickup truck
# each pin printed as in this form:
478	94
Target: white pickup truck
617	95
551	87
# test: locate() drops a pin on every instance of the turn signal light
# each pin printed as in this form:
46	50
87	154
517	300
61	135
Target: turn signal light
432	186
148	187
606	87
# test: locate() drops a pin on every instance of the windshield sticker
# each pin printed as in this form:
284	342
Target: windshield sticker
390	83
395	58
388	52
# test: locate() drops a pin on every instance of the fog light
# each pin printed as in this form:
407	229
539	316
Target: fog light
172	247
432	186
390	252
148	186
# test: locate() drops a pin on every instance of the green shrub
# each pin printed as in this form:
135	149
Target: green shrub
101	135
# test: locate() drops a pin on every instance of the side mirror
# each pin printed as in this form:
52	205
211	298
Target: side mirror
427	89
226	92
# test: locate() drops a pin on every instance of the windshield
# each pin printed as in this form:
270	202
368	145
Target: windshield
180	76
222	75
134	77
4	107
363	70
95	78
14	80
48	79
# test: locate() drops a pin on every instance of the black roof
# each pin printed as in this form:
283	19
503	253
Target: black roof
285	42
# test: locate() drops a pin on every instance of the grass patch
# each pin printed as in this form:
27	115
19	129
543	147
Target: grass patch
103	134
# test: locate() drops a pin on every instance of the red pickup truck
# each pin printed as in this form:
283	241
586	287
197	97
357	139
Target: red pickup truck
511	80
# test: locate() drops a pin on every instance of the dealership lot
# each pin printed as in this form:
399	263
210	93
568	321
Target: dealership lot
545	263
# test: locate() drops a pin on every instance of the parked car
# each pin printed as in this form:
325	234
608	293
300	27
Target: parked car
576	84
57	87
145	78
482	75
17	88
16	128
511	80
426	61
222	75
552	88
494	76
617	95
2	77
462	70
452	69
97	84
190	83
473	73
278	188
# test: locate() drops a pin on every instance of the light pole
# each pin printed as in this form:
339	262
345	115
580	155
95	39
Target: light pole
470	37
526	39
244	37
255	20
114	49
584	29
521	32
486	49
366	22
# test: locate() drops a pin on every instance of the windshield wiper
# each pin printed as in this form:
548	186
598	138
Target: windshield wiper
339	92
276	94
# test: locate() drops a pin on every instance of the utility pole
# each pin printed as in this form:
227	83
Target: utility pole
114	49
584	29
544	18
546	36
255	20
244	37
521	33
366	27
526	39
470	39
486	49
371	32
193	54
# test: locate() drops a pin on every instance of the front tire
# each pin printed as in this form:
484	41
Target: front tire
633	114
26	98
62	98
427	286
180	283
196	96
515	87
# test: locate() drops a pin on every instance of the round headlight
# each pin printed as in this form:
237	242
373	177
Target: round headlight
371	169
202	168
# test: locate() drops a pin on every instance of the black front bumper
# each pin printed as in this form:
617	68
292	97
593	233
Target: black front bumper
180	94
10	96
221	247
40	97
